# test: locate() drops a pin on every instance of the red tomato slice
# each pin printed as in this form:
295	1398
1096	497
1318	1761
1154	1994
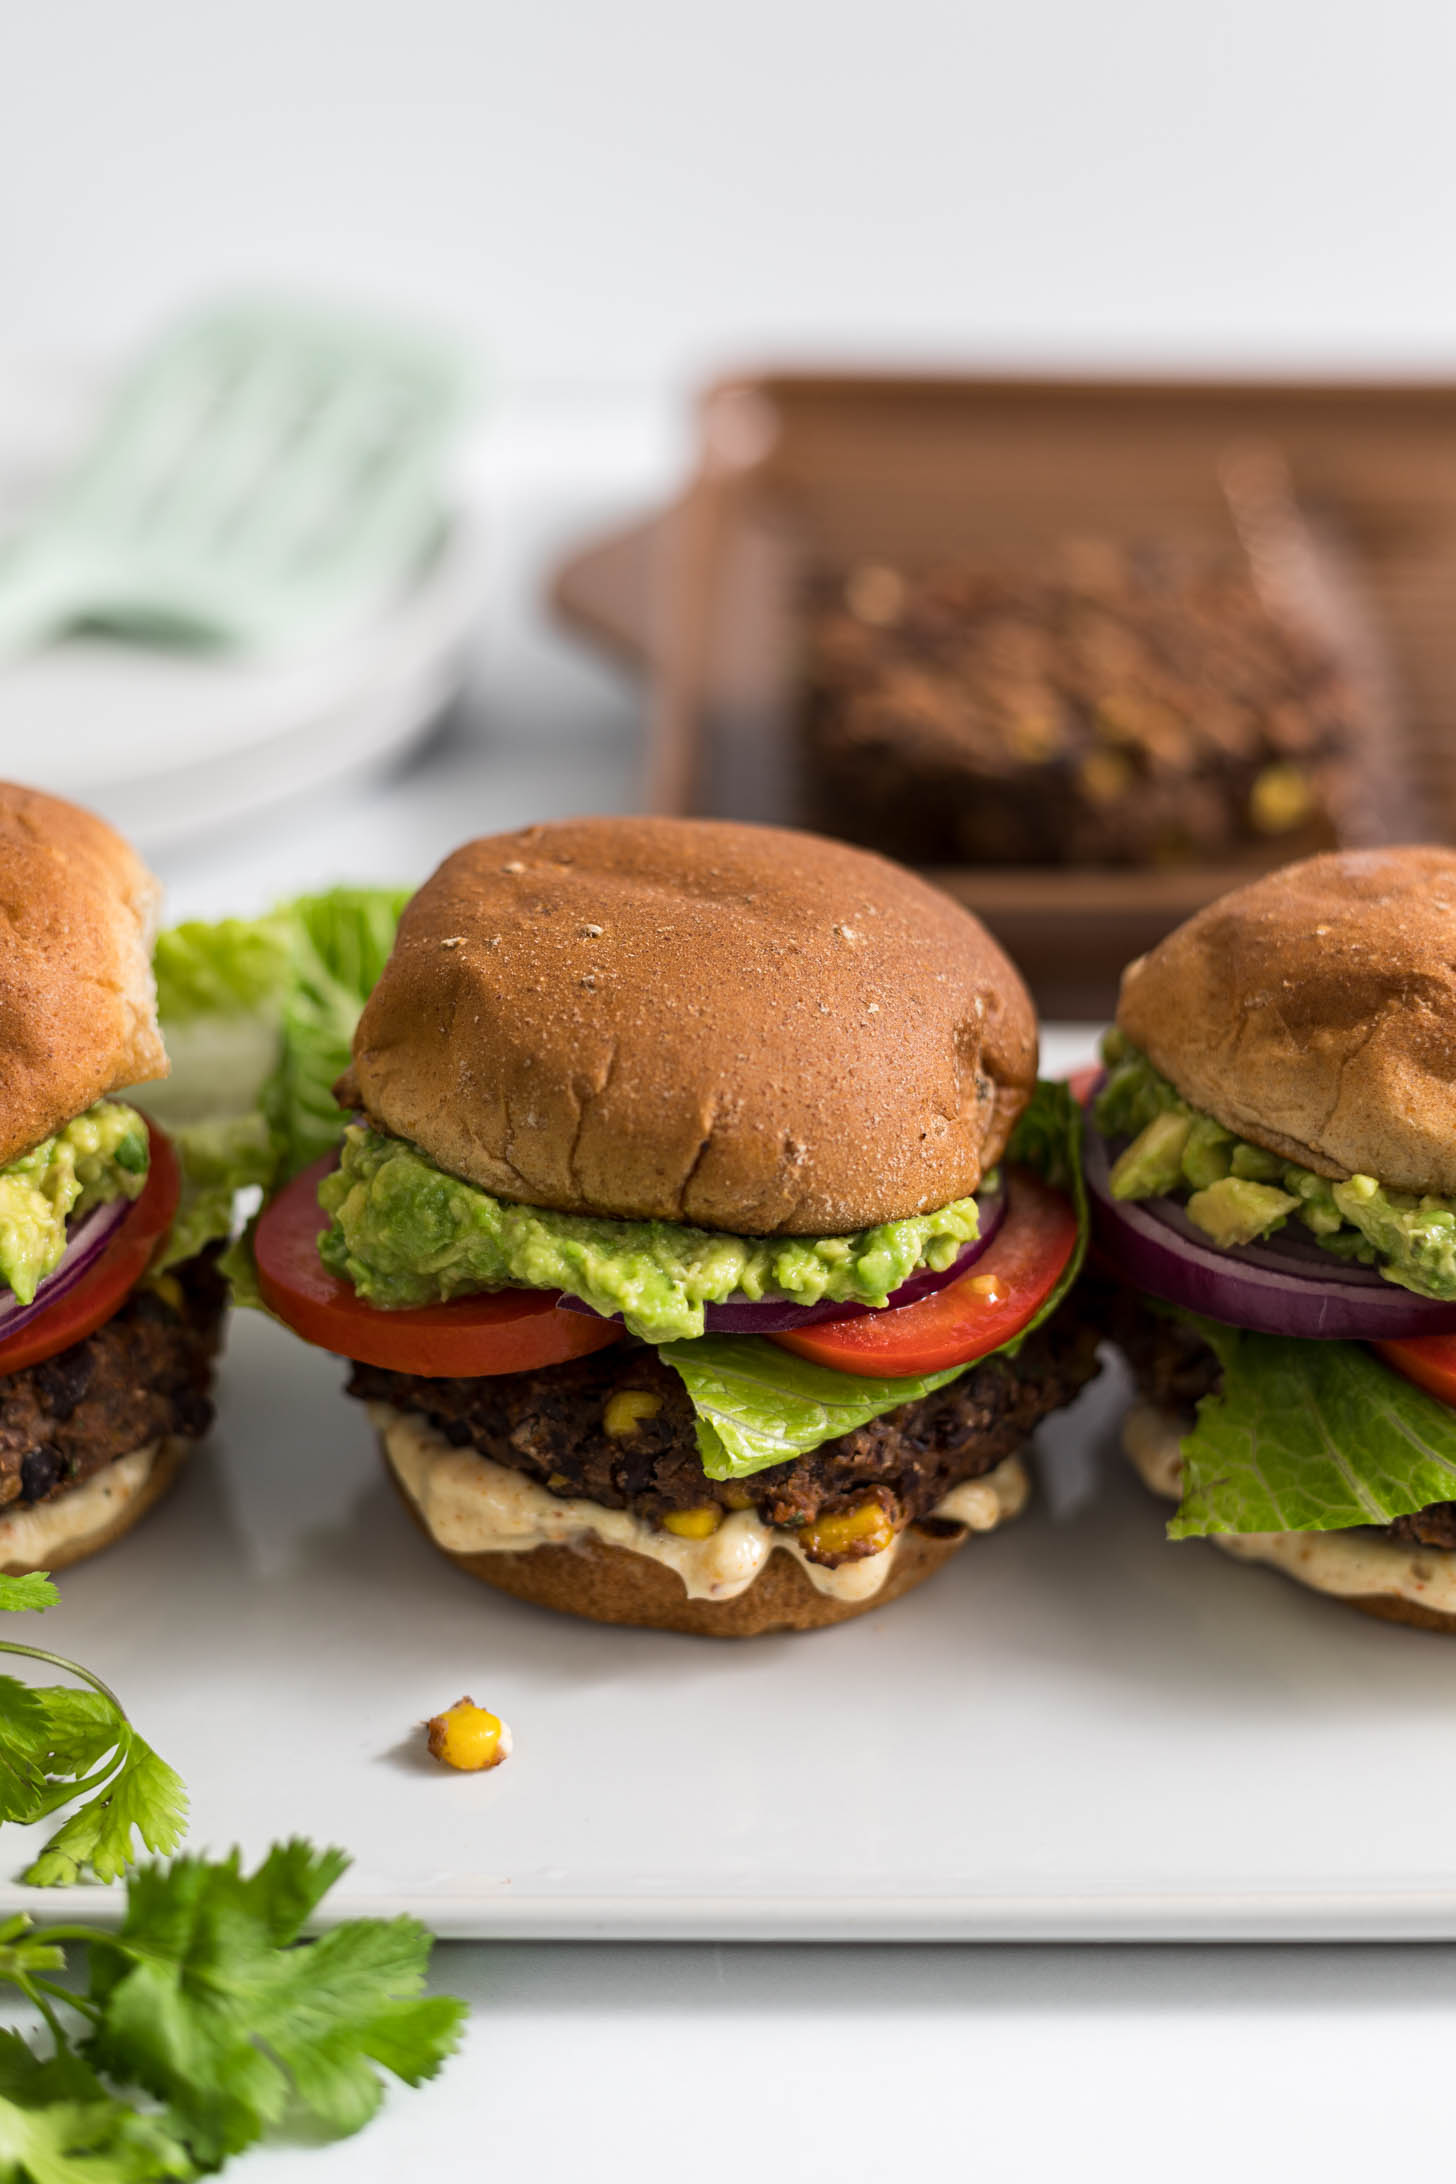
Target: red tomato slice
104	1287
1428	1360
503	1331
992	1301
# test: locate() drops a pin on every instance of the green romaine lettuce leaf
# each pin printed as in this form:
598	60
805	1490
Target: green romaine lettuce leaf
1048	1138
340	942
1309	1437
220	998
257	1014
209	969
219	1160
758	1405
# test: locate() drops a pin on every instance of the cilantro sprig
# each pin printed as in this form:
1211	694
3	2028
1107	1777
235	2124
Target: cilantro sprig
210	2003
64	1747
208	2014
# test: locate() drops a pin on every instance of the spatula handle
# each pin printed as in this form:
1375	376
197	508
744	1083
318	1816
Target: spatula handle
36	603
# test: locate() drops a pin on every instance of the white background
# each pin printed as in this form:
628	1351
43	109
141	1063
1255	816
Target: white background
609	200
629	192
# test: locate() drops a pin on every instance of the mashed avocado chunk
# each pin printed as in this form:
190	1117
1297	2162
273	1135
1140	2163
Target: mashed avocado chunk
404	1232
103	1154
1233	1211
1237	1192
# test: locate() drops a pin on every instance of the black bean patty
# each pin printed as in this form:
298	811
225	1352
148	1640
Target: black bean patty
550	1424
1172	1367
144	1374
1171	1363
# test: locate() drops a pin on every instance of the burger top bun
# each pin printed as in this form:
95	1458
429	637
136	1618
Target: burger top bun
78	1009
1314	1012
737	1027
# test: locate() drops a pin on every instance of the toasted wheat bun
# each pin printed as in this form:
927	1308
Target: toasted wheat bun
1345	1566
1314	1012
78	1008
607	1584
1388	1609
742	1028
92	1516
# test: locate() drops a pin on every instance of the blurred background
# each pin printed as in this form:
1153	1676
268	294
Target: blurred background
605	209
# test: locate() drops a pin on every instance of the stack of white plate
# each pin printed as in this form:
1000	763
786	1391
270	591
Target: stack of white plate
166	745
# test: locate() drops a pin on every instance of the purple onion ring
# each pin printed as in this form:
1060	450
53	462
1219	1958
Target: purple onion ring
1287	1286
84	1246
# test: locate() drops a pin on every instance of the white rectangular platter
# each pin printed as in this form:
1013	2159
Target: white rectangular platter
1075	1732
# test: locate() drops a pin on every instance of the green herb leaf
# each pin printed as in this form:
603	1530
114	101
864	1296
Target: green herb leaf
145	1798
23	1741
34	1590
210	2000
81	1728
1310	1437
59	2125
24	1953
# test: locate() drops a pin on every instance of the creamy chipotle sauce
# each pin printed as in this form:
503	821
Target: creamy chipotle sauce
32	1538
470	1505
1348	1564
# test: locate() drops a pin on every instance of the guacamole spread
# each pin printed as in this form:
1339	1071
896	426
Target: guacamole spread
1237	1192
404	1232
103	1154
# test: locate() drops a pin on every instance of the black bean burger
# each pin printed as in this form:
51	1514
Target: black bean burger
689	1240
1272	1156
105	1363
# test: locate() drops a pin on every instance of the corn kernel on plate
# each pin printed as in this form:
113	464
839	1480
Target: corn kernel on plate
1075	1731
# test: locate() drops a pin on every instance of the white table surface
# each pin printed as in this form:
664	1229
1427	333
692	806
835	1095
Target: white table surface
836	2063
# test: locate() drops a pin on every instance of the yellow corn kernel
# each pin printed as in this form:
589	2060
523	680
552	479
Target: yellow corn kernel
1281	798
468	1737
699	1523
626	1410
1034	732
836	1535
1105	776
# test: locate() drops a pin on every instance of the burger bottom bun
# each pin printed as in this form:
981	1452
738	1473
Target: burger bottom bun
612	1585
1343	1565
89	1517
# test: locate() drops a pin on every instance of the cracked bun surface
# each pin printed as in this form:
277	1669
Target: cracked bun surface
78	1009
738	1027
1314	1012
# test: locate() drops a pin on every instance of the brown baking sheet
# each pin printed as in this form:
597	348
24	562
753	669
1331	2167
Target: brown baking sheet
843	466
604	590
